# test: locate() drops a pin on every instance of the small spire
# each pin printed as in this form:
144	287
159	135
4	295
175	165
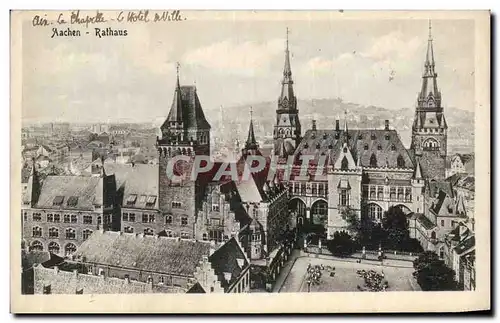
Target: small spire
345	121
251	142
418	171
177	66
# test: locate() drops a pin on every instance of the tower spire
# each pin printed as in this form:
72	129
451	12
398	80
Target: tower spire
345	121
251	142
177	66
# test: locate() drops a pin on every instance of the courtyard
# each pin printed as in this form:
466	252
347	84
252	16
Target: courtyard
346	278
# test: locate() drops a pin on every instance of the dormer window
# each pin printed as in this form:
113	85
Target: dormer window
306	145
132	198
345	150
360	137
373	136
393	147
317	146
330	146
379	147
387	137
366	147
373	161
336	135
324	136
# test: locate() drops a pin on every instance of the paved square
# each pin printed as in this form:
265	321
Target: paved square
346	278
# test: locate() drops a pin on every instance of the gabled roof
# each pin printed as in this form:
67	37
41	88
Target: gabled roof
434	186
466	245
426	223
192	113
384	145
196	289
149	253
89	191
228	261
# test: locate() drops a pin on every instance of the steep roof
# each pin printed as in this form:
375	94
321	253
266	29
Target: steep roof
435	186
228	259
192	113
148	253
139	180
57	192
426	223
384	145
466	245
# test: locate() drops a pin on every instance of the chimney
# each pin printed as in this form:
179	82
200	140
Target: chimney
75	272
56	269
127	280
386	124
314	125
337	125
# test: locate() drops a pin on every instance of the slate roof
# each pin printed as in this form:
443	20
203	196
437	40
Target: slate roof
87	189
466	245
330	143
189	105
148	253
33	258
225	260
139	180
434	187
426	223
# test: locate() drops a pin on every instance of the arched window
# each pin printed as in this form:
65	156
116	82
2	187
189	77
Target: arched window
53	233
37	232
69	249
401	161
54	248
168	219
345	163
433	235
374	212
70	233
36	246
373	161
320	208
148	232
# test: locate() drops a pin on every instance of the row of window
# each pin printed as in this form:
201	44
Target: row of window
53	247
146	218
53	233
67	218
314	188
402	194
151	232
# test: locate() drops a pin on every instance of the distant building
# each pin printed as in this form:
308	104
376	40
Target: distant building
460	164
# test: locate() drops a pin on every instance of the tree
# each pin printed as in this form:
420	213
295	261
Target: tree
395	224
433	274
342	244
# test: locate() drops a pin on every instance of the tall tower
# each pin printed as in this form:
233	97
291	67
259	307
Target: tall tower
185	132
287	131
429	130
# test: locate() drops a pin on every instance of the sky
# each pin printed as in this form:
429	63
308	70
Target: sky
239	62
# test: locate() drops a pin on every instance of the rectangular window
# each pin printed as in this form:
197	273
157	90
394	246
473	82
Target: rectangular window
128	230
131	217
70	234
184	235
125	217
314	189
148	218
442	223
67	218
53	233
184	221
176	205
148	232
74	218
215	222
303	188
215	207
50	217
344	197
37	217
